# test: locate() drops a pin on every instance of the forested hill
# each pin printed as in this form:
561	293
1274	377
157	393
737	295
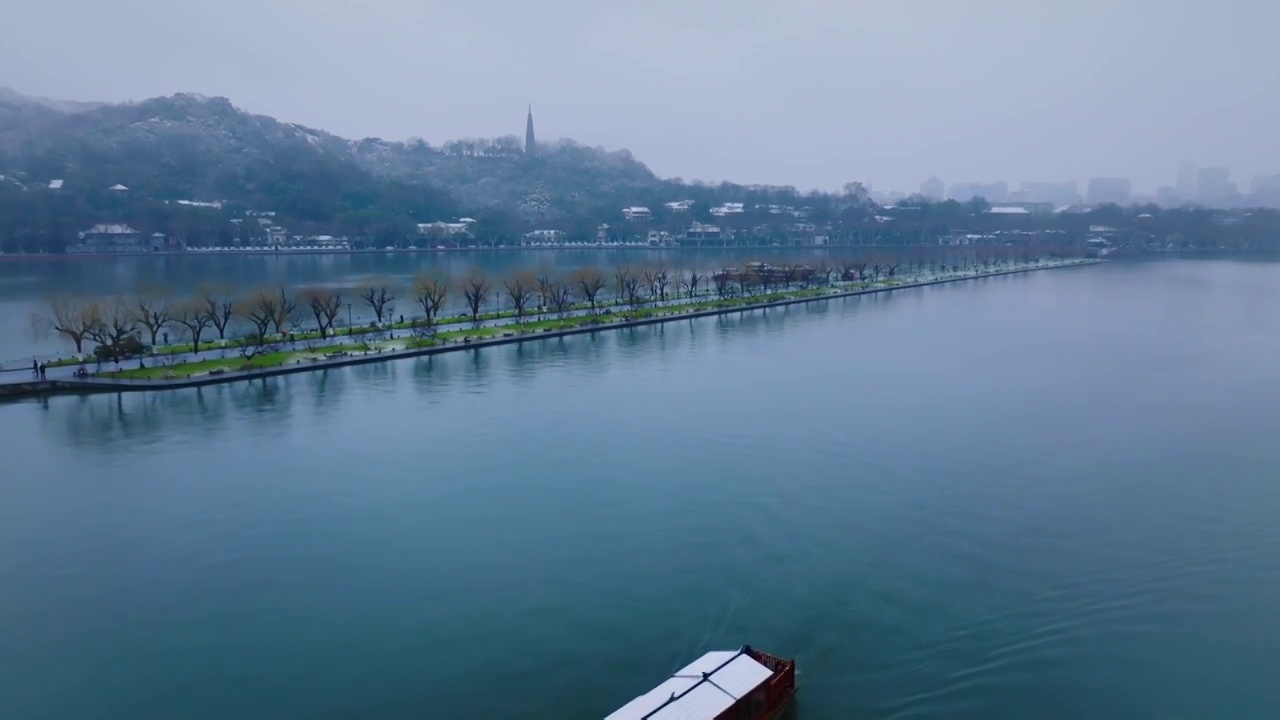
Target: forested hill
189	147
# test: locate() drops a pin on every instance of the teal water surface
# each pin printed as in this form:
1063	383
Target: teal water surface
1043	495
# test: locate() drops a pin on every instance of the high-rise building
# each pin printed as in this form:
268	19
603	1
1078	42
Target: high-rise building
1169	197
887	197
932	188
1108	190
991	192
1186	186
964	192
1213	186
530	146
1058	193
1265	190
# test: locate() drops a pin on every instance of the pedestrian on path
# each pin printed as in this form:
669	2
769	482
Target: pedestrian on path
35	366
43	367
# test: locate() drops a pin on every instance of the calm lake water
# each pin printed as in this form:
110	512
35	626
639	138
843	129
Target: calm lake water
1050	495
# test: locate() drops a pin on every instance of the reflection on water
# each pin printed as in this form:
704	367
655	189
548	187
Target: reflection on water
1049	496
378	374
328	388
429	374
128	422
124	422
266	403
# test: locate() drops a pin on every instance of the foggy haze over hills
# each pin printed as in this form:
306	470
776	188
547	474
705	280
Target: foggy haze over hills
811	94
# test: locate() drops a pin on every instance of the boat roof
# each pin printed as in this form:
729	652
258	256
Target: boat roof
700	690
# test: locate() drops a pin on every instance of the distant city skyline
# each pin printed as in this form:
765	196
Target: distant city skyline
1209	186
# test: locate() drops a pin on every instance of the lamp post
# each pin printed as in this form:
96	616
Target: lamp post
349	318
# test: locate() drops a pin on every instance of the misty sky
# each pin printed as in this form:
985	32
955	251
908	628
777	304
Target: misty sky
804	92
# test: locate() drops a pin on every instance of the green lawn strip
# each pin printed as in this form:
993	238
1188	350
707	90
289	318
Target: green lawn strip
174	349
205	346
529	326
353	348
474	333
418	343
554	323
157	372
233	364
197	367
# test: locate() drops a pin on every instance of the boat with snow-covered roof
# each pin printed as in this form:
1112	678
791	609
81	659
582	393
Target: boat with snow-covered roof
743	684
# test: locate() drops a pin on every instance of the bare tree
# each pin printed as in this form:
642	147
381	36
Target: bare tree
561	296
118	321
286	311
621	277
76	320
261	309
803	275
475	290
430	290
520	288
191	315
649	274
790	273
761	275
822	272
546	280
589	281
324	304
723	281
690	282
662	280
848	267
151	311
219	307
633	285
377	294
